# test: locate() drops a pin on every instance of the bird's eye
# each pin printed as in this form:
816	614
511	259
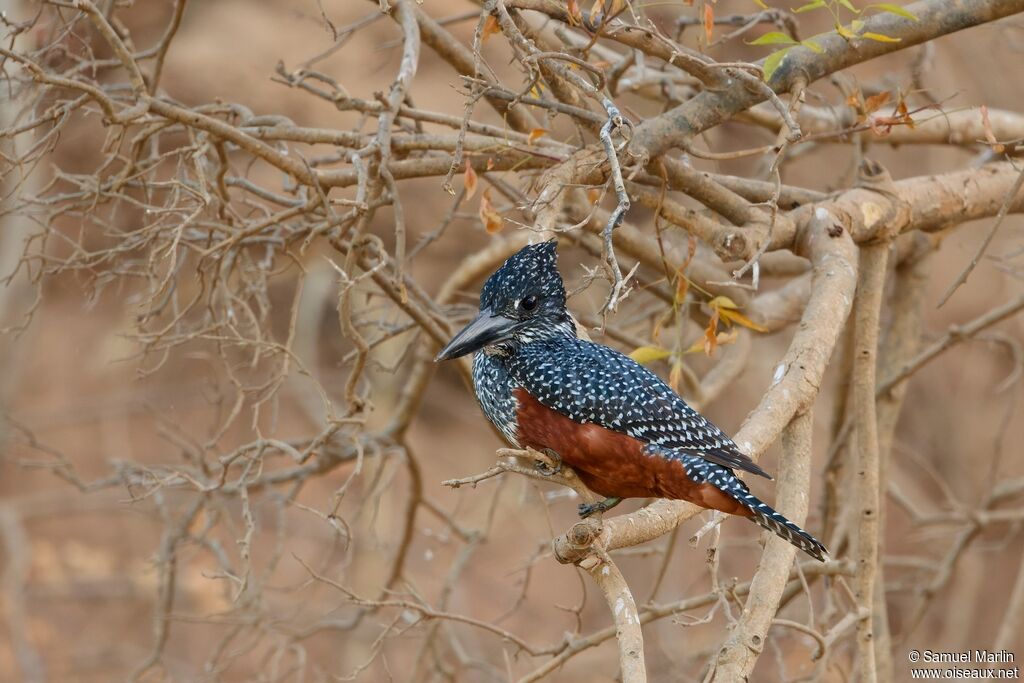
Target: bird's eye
528	303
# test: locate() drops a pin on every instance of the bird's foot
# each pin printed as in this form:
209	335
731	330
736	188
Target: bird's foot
549	469
588	509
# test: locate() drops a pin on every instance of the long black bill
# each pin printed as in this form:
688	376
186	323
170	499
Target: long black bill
486	328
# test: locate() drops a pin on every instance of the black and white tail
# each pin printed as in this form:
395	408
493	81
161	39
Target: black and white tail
764	515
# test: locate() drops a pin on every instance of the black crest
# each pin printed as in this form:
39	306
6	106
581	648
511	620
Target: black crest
532	271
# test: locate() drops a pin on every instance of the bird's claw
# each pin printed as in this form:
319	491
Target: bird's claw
588	509
549	470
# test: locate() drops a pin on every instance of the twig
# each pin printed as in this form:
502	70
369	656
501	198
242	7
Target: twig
1003	210
955	335
615	121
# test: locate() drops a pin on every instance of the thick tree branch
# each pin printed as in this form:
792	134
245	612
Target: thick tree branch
870	288
737	657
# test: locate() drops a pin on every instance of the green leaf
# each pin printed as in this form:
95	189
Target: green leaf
773	61
813	4
773	38
649	354
894	9
879	37
811	45
848	5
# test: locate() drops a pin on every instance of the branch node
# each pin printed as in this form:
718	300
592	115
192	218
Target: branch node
577	544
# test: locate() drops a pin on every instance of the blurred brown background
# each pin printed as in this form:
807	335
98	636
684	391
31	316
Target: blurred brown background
79	583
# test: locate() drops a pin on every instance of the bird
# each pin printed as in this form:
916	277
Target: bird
622	429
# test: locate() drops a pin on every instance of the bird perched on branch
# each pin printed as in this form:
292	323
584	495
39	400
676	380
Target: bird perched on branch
617	424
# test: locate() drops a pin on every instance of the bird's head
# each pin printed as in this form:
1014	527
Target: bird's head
522	301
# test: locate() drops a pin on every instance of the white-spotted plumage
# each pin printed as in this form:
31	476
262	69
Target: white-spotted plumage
592	383
700	471
493	388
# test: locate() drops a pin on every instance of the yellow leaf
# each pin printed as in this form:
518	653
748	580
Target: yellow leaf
813	4
727	310
536	134
740	319
721	339
469	179
649	354
720	302
488	215
696	347
879	37
894	9
845	32
761	4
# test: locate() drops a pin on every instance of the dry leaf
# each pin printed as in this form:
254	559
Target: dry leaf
691	250
660	322
711	334
709	22
904	113
491	27
875	102
594	195
469	179
675	377
682	289
488	215
536	134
